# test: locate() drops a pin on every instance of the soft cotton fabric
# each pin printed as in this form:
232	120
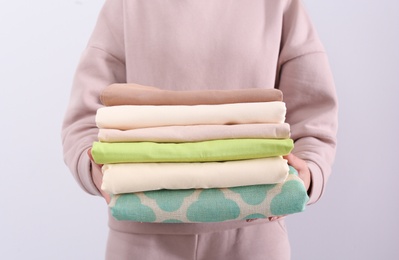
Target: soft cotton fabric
206	151
197	45
134	94
195	133
136	177
141	116
212	205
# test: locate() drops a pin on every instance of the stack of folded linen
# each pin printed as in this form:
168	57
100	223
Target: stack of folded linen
195	156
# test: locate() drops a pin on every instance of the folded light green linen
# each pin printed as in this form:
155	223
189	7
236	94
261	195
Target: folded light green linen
206	151
212	205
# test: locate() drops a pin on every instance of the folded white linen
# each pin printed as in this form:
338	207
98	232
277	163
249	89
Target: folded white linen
142	116
136	177
195	133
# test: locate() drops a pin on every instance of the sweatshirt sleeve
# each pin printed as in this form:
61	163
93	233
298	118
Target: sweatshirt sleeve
309	91
102	63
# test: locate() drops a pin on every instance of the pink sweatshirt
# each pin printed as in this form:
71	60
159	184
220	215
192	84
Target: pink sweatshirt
207	44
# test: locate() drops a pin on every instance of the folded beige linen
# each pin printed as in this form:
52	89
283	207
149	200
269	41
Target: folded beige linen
136	177
134	94
195	133
142	116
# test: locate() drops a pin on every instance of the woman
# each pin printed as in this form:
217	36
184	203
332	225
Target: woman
208	44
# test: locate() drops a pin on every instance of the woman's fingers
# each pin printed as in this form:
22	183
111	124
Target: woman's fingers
302	167
97	177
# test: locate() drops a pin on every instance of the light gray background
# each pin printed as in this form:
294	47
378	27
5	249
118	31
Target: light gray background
45	215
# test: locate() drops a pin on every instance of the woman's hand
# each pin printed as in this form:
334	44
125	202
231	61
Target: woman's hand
97	177
303	173
302	168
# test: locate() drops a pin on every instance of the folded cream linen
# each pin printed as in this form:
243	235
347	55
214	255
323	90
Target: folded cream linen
206	151
195	133
135	177
142	116
212	205
134	94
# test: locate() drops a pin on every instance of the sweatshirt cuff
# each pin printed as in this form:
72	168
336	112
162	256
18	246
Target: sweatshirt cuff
317	184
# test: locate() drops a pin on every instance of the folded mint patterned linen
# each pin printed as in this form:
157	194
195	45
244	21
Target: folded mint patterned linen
206	151
212	205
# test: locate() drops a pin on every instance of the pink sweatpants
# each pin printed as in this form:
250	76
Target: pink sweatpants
266	241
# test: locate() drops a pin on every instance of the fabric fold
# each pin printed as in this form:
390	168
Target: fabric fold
142	116
212	205
195	133
135	94
206	151
137	177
